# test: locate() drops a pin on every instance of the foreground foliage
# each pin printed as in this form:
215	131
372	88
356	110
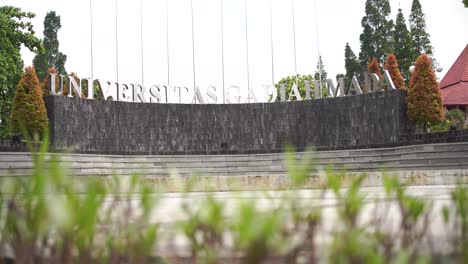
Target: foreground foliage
51	218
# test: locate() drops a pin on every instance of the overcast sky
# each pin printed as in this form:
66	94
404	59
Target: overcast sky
339	21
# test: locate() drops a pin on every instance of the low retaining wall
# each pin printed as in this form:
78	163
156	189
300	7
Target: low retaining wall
94	126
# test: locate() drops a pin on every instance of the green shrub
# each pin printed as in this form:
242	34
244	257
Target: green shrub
28	113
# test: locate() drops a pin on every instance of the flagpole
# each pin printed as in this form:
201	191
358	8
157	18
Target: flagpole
193	48
116	41
167	43
141	44
318	46
91	35
271	45
247	48
222	51
294	37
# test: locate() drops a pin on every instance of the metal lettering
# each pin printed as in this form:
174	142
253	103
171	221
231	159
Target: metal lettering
308	90
53	89
372	82
211	92
317	90
274	93
139	92
75	86
251	95
122	93
90	88
105	92
155	92
387	81
197	96
282	92
333	91
355	86
295	92
236	95
180	92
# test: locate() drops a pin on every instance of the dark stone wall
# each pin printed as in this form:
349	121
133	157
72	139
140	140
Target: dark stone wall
94	126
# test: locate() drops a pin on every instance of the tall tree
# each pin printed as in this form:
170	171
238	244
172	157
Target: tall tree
50	56
376	39
28	113
465	2
419	34
320	72
351	63
424	95
404	51
391	65
15	30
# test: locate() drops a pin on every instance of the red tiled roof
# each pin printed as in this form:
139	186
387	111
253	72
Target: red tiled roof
455	95
455	83
458	72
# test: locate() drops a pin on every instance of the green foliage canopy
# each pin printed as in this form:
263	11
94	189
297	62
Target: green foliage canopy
50	56
15	30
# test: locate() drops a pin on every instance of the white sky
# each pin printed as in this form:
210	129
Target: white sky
339	21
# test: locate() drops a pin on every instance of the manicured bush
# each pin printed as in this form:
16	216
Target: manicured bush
391	65
28	113
424	95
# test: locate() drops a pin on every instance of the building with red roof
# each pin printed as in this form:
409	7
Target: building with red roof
455	84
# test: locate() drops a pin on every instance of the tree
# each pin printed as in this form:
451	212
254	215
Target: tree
50	56
376	37
422	43
28	113
391	65
424	95
289	82
320	72
352	66
404	51
15	30
465	2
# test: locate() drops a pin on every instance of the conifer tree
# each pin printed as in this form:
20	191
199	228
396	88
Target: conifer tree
50	56
391	65
28	112
424	95
404	49
320	71
419	34
377	29
351	64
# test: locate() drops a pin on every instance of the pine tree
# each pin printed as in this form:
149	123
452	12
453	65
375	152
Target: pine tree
404	50
29	113
50	56
320	72
351	64
391	65
422	43
424	95
377	28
